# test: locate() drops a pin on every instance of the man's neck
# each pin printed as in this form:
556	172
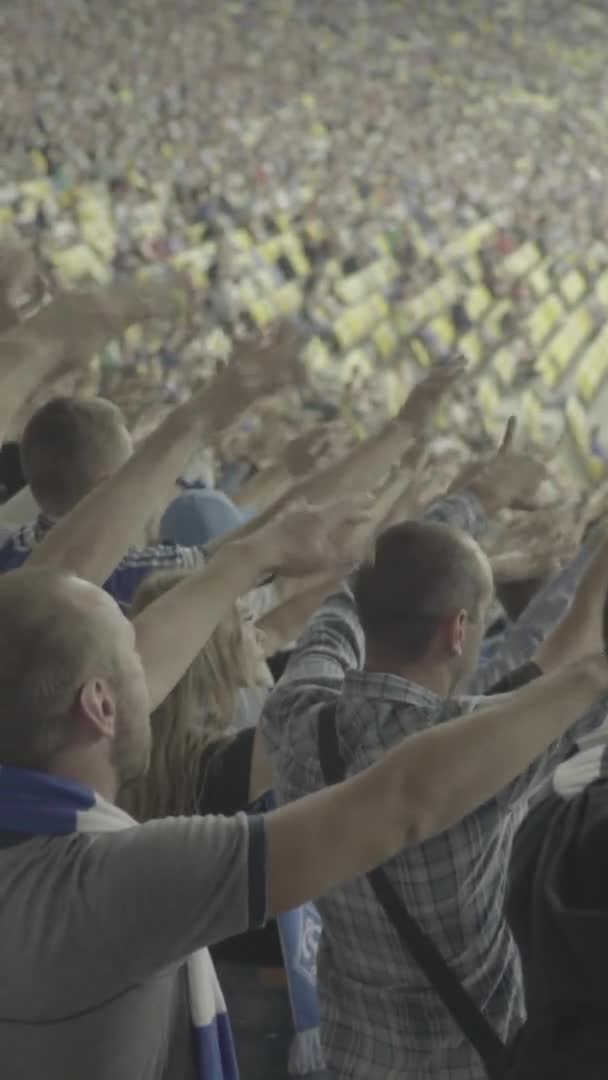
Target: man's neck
433	677
82	768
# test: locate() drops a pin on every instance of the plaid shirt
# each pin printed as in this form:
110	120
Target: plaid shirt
125	580
380	1018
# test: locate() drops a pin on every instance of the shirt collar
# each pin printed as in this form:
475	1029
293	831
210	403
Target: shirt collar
374	685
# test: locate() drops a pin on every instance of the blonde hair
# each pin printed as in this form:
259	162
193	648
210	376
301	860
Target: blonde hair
198	711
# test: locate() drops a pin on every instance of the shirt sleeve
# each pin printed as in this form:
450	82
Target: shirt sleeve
461	510
522	637
161	890
330	646
542	768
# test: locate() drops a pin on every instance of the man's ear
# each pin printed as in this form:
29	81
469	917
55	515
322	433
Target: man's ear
458	632
96	709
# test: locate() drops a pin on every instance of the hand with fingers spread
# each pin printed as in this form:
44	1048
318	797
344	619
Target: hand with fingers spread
509	479
257	369
551	534
425	398
269	364
21	285
67	332
307	451
516	566
303	539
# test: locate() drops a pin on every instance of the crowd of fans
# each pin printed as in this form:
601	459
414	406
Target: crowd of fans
303	748
197	134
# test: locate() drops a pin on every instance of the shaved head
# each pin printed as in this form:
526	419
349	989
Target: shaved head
422	574
57	634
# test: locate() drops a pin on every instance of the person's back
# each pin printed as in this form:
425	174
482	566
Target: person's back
377	1006
389	656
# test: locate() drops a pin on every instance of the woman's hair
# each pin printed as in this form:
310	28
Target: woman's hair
198	711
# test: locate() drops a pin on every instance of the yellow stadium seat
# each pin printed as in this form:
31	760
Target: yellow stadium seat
473	268
431	301
477	301
532	415
420	352
443	328
539	278
547	370
271	249
469	242
505	364
316	231
351	289
316	354
288	299
385	339
544	318
262	313
576	419
355	323
601	288
573	286
522	260
471	347
79	262
421	245
569	338
489	399
493	319
593	368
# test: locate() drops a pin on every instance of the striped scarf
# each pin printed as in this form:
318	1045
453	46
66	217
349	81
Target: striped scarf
41	805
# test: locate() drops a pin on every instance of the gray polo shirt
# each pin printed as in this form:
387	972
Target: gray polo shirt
94	932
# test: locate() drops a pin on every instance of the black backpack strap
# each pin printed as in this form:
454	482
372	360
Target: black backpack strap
456	999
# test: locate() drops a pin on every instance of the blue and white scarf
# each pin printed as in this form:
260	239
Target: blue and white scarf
299	934
42	805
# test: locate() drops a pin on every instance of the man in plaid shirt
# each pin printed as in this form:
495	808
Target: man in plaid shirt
423	605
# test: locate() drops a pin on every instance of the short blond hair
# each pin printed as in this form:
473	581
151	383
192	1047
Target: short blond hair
49	646
69	446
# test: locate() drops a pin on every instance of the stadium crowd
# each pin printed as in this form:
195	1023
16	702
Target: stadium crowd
303	745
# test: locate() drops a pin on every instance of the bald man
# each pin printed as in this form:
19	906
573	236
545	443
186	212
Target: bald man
98	915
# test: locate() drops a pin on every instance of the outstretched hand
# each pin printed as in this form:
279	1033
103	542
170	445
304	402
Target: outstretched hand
257	369
509	479
304	539
22	286
425	398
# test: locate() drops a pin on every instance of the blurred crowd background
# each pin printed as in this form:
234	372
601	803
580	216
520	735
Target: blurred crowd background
403	180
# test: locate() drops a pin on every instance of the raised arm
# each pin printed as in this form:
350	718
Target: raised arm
67	332
82	542
423	786
172	631
366	465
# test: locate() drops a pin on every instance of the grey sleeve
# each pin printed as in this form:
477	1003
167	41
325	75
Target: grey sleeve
540	617
461	510
163	889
